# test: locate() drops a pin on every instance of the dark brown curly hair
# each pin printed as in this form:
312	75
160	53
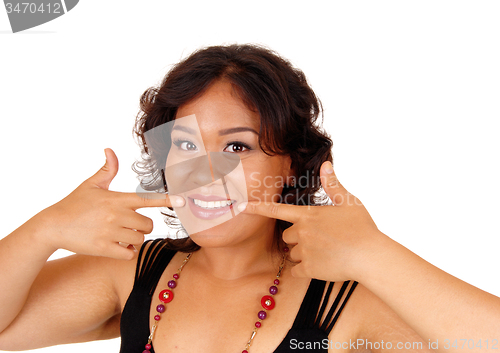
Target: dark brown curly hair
267	84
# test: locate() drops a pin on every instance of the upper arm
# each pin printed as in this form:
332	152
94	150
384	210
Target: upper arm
73	299
382	327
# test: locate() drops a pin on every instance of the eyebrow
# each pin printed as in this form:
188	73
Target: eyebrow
185	129
221	132
237	129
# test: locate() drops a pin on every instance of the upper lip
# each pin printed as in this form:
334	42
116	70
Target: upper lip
209	197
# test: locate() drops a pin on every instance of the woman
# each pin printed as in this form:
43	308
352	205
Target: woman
246	101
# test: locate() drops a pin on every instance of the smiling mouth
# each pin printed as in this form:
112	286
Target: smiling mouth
212	205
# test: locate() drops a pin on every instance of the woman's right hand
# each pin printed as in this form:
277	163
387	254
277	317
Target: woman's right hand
93	220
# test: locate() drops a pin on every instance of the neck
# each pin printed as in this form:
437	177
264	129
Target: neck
230	263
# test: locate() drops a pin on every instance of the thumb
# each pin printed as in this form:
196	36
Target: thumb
331	184
105	175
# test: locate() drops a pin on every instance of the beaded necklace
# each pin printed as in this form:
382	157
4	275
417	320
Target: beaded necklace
167	295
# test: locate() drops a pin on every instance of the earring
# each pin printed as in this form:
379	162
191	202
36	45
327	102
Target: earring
292	183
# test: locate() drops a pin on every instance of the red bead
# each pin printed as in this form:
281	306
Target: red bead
258	324
285	249
157	317
148	346
267	302
276	281
160	308
146	351
166	296
176	276
245	351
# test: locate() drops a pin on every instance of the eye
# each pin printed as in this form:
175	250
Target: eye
236	147
185	145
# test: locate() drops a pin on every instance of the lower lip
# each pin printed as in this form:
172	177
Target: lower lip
204	213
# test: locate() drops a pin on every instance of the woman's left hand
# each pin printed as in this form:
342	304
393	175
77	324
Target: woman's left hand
333	242
341	242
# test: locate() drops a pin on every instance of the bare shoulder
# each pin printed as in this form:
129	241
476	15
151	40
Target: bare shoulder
368	324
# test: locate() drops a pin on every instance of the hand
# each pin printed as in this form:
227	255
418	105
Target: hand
331	242
94	221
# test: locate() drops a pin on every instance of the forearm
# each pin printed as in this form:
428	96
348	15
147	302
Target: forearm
435	304
23	253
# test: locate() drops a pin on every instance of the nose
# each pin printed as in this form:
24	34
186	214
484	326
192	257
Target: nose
223	163
200	171
188	175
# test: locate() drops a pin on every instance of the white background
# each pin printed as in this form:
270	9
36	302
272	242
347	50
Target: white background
410	90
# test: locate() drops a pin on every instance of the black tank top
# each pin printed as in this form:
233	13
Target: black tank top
134	325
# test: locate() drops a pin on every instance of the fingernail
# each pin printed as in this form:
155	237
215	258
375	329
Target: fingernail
242	206
177	201
329	168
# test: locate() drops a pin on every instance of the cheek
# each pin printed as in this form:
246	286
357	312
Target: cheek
264	183
171	159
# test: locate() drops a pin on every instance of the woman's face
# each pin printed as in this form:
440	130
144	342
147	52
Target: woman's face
215	163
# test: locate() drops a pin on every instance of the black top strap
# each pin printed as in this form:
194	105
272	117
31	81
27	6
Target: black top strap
154	257
306	316
323	306
310	317
151	263
329	328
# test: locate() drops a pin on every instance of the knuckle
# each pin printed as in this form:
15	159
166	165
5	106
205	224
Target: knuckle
293	254
129	255
305	268
309	215
252	208
144	202
100	246
106	202
301	232
149	225
333	181
274	209
110	218
139	238
286	236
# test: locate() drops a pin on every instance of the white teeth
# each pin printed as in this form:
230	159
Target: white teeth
211	204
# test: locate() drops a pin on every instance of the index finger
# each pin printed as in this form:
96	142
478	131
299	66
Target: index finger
150	199
285	212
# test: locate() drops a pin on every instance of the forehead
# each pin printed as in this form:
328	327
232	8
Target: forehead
220	107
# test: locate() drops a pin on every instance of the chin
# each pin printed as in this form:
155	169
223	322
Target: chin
220	235
227	229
